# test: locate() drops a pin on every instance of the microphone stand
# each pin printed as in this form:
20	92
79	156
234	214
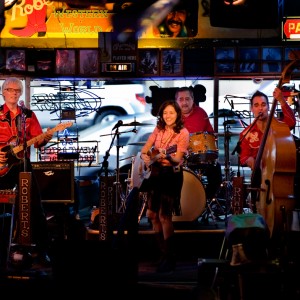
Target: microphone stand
104	197
25	187
103	202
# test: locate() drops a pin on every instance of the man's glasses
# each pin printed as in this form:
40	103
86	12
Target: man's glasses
11	90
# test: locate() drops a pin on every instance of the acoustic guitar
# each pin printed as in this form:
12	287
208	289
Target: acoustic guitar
141	171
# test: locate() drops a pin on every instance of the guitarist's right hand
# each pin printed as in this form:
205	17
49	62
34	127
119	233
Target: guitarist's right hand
3	157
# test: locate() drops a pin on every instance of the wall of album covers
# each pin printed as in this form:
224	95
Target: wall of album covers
131	62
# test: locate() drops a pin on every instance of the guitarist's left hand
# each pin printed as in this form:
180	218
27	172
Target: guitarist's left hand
47	138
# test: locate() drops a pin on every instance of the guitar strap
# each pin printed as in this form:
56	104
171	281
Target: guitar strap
169	140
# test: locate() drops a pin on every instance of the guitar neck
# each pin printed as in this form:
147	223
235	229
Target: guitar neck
33	140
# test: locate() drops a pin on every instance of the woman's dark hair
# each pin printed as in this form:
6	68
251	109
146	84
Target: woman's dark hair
161	124
259	94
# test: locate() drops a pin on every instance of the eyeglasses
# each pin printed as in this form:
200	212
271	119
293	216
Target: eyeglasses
11	90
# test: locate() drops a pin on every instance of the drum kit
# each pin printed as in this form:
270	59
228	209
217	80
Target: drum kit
195	204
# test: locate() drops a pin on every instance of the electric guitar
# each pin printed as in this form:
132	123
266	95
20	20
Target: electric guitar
11	152
141	171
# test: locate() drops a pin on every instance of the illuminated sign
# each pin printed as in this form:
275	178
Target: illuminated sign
291	29
118	67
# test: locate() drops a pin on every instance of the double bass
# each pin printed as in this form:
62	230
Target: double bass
272	180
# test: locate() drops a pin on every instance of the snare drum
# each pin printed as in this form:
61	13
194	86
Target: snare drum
202	148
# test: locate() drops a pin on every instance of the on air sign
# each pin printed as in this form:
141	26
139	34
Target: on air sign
291	29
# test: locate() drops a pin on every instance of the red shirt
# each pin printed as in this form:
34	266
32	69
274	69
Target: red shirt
197	121
251	143
12	130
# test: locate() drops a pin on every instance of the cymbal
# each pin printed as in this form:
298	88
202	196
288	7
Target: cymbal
137	144
136	124
132	156
224	113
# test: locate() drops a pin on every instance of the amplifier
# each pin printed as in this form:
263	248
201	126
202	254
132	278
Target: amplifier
55	180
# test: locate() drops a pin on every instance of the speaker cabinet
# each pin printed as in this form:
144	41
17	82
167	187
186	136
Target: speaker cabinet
55	180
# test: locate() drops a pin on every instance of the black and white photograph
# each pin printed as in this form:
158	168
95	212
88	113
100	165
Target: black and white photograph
249	60
271	67
148	60
225	53
272	53
171	62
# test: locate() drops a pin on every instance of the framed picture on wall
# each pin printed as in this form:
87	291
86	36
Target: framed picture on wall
249	60
271	57
225	60
65	62
225	54
291	53
89	62
171	62
15	60
44	60
148	62
271	67
271	53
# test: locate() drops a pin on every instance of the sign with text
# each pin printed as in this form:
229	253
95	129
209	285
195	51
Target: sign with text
291	29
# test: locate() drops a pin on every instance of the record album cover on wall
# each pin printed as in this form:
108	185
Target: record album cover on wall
148	62
89	62
16	60
171	62
249	59
65	62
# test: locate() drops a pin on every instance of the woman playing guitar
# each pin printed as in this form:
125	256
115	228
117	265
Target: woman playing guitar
164	188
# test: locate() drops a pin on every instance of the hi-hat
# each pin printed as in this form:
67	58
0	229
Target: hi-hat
136	124
137	144
224	113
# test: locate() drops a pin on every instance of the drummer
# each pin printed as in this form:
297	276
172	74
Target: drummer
195	119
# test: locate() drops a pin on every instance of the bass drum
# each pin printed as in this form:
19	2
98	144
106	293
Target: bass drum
193	198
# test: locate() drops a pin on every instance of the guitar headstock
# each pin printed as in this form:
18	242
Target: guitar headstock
62	126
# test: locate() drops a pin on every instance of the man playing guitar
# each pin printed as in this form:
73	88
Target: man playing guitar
14	119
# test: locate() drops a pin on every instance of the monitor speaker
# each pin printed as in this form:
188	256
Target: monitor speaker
55	180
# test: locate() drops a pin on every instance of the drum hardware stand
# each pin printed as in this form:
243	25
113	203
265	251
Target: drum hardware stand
209	211
227	182
239	179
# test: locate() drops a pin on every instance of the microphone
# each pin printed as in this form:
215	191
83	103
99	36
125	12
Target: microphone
259	115
22	104
232	105
229	122
120	123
